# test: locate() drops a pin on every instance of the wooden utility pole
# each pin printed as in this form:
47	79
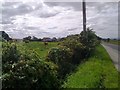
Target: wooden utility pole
84	15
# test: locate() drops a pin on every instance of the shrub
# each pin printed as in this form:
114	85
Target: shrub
62	57
73	42
26	70
89	39
81	44
10	54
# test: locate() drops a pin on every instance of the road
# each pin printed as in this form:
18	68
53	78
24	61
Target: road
114	52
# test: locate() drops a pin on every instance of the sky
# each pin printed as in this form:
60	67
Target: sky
58	19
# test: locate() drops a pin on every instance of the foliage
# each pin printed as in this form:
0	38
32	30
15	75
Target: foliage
73	42
81	44
10	54
4	36
97	72
60	54
62	57
27	38
89	39
26	70
74	49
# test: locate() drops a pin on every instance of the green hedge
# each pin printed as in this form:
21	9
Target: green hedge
62	57
26	70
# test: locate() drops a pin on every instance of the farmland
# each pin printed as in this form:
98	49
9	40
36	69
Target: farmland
38	47
117	42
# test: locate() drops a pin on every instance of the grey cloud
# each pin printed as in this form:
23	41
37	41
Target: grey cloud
72	29
31	28
103	19
47	15
6	21
53	28
9	11
75	5
101	16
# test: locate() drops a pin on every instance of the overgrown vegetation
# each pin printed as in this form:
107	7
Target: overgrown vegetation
62	57
34	65
72	51
26	70
97	72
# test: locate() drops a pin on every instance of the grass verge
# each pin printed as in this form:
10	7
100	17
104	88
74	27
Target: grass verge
97	72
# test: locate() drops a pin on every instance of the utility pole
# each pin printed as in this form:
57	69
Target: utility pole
84	15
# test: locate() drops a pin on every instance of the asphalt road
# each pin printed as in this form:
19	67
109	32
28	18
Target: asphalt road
114	52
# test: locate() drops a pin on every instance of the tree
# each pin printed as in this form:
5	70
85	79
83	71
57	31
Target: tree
54	39
89	39
34	38
27	38
5	36
108	39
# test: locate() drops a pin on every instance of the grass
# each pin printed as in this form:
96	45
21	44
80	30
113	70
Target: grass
117	42
97	72
39	47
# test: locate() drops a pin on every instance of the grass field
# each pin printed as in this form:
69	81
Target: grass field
114	42
39	47
97	72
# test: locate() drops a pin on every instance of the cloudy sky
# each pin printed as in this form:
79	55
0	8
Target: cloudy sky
58	19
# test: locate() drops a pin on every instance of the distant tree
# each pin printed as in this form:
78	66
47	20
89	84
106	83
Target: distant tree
34	38
5	36
108	39
54	39
27	38
61	39
39	39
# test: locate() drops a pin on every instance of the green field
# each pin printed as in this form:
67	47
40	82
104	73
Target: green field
38	47
97	72
114	42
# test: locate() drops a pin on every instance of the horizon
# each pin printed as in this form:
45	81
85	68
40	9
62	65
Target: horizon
57	37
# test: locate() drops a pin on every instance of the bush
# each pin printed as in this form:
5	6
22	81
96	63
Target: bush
89	39
81	44
73	42
62	57
26	70
10	54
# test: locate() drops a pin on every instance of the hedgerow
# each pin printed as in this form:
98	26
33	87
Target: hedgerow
26	70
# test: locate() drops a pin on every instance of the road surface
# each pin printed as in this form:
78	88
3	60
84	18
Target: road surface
114	52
